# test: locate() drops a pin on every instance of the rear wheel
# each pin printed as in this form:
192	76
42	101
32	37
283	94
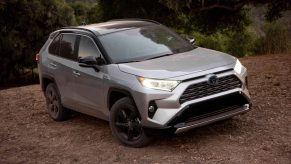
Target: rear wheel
54	105
125	123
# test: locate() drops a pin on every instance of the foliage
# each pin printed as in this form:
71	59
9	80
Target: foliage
81	11
25	25
180	14
275	9
237	43
87	13
275	40
215	41
240	43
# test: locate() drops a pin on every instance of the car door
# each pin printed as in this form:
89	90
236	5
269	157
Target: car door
89	83
61	58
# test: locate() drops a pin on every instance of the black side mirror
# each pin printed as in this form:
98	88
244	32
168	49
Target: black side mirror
191	39
100	61
89	61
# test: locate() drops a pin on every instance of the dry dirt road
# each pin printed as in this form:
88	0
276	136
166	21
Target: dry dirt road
28	135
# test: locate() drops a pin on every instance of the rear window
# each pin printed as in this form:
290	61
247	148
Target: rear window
68	46
54	48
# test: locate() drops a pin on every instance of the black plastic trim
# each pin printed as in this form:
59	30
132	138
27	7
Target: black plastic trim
46	76
114	89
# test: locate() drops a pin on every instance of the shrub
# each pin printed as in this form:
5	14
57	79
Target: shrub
215	41
275	40
237	43
240	43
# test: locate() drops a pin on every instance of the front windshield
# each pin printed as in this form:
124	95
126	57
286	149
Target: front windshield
143	43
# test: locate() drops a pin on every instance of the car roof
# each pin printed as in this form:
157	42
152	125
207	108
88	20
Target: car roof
115	25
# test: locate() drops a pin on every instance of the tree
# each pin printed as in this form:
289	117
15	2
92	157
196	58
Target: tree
81	10
275	9
206	16
25	25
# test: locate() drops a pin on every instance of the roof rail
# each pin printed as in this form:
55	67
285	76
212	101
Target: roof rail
76	28
134	19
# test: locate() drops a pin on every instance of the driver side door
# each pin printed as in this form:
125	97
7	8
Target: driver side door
88	84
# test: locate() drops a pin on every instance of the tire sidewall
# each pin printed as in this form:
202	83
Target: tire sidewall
62	113
126	102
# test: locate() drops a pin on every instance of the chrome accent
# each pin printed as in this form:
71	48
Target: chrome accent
182	127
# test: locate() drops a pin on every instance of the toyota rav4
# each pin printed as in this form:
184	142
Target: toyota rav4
141	77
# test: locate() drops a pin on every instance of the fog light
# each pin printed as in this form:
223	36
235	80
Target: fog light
152	109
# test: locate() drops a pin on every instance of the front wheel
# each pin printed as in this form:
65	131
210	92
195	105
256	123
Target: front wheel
125	123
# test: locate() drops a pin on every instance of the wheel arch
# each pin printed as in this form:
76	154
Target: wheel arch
45	81
114	94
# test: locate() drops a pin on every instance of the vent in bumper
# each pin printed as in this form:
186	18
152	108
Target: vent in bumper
203	89
210	108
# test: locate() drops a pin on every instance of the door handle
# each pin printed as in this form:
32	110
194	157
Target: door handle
76	73
53	65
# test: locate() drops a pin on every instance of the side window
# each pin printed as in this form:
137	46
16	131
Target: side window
68	49
87	47
54	48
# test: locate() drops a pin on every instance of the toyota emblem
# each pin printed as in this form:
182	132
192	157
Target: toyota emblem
212	80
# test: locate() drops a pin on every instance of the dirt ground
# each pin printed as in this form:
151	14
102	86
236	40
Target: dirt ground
28	135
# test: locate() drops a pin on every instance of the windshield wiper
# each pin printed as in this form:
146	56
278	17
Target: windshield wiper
169	54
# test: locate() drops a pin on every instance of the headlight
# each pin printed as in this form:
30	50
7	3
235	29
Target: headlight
238	67
166	85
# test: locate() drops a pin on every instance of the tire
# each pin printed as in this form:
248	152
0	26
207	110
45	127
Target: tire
125	124
53	100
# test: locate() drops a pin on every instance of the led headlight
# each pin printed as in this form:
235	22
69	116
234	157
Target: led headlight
165	85
238	67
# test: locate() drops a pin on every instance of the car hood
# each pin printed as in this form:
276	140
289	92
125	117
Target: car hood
196	60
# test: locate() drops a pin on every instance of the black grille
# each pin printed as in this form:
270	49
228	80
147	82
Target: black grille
203	89
210	108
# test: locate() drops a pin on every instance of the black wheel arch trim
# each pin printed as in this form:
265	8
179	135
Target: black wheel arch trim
46	76
121	90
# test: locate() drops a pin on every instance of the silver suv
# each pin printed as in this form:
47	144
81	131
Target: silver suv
141	77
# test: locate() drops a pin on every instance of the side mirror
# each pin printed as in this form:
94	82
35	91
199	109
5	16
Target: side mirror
88	60
100	61
191	39
91	61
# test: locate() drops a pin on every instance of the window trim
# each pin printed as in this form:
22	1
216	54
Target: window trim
91	36
79	41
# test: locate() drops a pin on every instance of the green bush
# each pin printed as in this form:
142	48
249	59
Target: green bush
275	40
240	43
215	41
237	43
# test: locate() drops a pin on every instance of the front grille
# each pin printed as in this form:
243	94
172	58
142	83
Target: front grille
210	108
203	89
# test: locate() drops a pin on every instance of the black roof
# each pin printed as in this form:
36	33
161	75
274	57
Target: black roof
115	25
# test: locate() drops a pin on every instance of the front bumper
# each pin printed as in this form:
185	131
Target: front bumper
170	108
182	127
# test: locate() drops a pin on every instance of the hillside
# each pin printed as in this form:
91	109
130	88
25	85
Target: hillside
28	135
